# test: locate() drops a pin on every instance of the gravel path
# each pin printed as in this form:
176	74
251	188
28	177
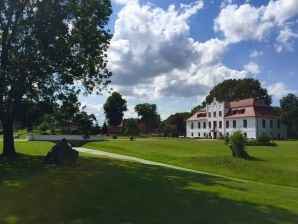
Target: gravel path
148	162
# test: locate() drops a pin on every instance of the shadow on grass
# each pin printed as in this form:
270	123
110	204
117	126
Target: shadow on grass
108	191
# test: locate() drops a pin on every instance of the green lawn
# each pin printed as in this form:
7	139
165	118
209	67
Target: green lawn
100	190
277	165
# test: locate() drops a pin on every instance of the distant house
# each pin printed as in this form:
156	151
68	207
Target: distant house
115	129
220	119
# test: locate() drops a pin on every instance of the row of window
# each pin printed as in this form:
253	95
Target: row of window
219	124
214	114
234	124
205	135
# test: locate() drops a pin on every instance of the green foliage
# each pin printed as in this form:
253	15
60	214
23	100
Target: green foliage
226	140
48	46
263	139
104	129
115	136
148	114
236	89
289	114
114	108
131	127
178	122
237	145
43	127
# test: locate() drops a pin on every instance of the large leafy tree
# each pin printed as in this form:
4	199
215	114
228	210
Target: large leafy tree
45	48
237	89
148	114
178	121
289	114
114	109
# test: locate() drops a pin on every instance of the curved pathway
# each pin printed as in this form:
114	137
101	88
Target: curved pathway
149	162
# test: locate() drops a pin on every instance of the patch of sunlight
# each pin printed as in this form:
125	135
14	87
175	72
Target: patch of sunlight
12	183
11	219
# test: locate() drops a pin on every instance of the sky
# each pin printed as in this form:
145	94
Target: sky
172	53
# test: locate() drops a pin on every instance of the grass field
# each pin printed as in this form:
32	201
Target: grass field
277	165
100	190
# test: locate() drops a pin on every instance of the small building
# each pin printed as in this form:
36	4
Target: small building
220	119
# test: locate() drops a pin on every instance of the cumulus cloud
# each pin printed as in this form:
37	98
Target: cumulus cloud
279	90
246	22
255	54
152	54
96	109
284	41
252	68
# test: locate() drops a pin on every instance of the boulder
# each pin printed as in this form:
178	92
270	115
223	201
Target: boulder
61	154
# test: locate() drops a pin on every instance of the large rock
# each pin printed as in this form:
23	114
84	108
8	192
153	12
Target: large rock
61	153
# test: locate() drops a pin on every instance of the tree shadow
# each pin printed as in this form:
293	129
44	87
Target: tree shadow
98	190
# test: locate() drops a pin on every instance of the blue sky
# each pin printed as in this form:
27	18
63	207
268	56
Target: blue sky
173	52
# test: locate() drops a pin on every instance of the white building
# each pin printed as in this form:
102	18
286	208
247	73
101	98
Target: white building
220	119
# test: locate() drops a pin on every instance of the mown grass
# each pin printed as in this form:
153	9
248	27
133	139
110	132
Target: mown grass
277	165
99	190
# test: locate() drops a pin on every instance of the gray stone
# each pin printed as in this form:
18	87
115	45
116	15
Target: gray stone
62	154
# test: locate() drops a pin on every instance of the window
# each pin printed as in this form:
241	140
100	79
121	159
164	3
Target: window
220	113
191	125
227	134
271	123
220	124
220	134
227	124
199	125
214	114
245	123
209	124
264	123
199	134
209	114
278	123
245	135
278	135
191	134
204	125
234	123
214	124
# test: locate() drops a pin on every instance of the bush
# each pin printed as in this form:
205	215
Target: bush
115	136
227	140
263	139
237	145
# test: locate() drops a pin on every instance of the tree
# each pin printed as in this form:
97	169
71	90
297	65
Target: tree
131	127
289	114
85	123
114	108
46	47
238	89
178	121
104	129
148	114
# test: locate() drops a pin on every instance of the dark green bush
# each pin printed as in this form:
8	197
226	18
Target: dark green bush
237	145
263	139
227	140
115	136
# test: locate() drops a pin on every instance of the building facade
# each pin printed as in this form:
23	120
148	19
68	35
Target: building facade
220	119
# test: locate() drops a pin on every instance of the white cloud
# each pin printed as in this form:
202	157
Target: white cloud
96	109
242	22
246	22
151	54
255	54
279	90
281	10
284	40
252	68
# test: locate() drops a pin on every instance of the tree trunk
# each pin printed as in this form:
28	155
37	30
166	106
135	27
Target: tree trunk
8	141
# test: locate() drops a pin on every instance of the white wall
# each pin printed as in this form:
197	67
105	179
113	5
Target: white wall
32	137
250	130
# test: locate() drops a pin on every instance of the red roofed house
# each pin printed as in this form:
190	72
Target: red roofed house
220	119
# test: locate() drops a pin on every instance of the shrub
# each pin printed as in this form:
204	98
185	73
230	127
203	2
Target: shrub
115	136
227	140
237	145
263	139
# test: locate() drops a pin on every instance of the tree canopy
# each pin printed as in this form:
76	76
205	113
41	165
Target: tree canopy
114	109
46	48
289	114
178	121
148	114
238	89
